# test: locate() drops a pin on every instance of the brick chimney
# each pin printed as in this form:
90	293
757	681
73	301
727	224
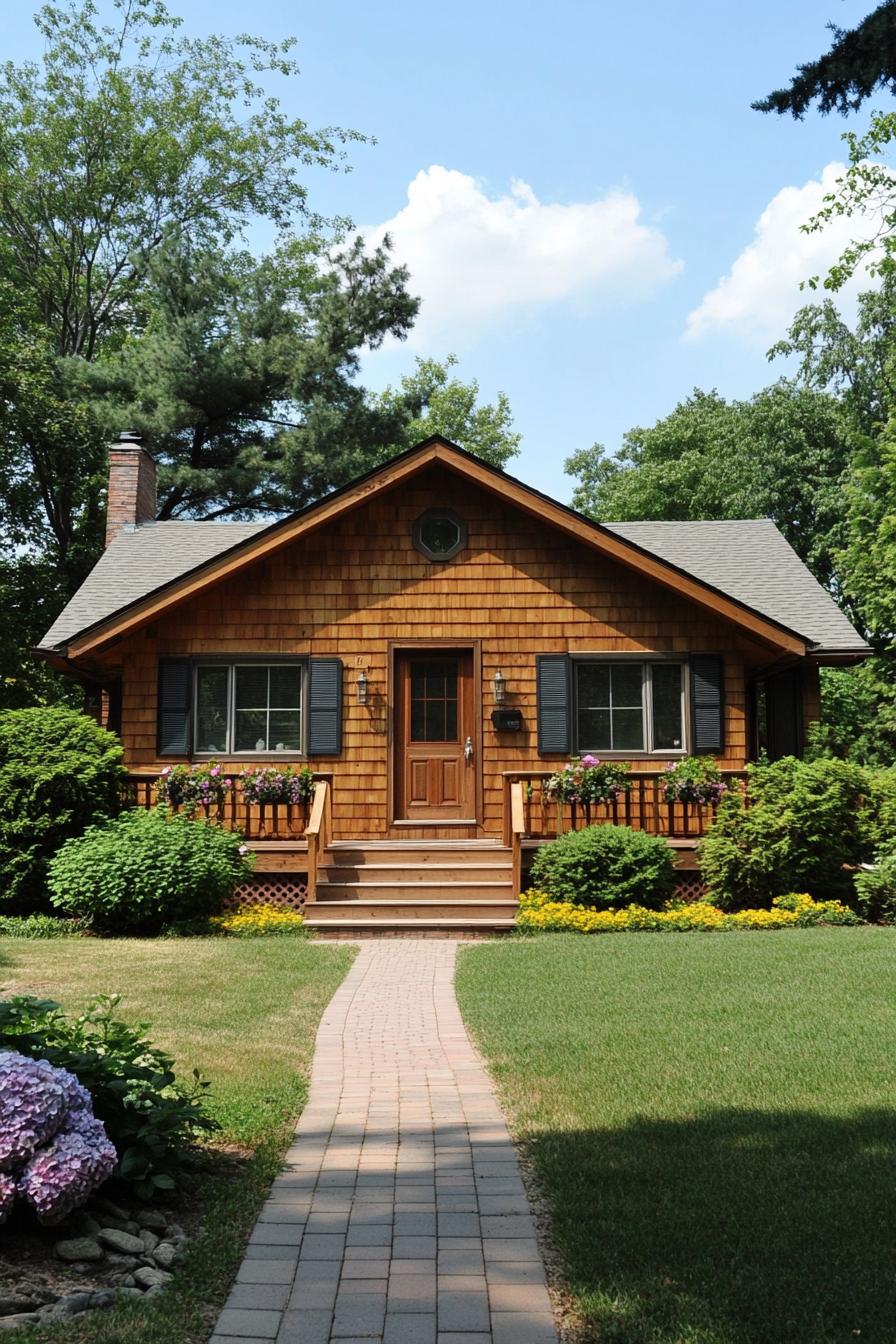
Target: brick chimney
132	484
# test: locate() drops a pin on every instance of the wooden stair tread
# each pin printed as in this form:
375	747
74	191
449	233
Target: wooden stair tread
496	923
356	905
412	883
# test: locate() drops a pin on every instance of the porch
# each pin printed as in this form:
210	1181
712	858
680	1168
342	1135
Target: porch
351	883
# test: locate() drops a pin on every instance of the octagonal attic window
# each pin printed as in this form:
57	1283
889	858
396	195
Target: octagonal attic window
439	534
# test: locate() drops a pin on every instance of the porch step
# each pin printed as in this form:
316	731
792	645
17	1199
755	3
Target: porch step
434	912
416	889
386	874
392	886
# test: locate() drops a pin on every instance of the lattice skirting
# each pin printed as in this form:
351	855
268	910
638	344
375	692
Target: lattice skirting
288	891
689	886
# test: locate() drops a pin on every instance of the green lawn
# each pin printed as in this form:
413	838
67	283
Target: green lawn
245	1011
711	1119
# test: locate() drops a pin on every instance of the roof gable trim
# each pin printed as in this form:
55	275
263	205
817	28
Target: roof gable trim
392	473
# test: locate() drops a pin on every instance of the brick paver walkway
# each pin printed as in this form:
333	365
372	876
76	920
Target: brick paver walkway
401	1215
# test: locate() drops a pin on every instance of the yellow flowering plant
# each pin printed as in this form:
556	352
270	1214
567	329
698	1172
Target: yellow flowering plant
254	921
538	913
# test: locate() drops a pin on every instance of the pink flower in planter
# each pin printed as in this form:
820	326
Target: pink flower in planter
589	761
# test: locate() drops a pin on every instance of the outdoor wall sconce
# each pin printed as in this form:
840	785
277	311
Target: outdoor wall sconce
363	683
499	684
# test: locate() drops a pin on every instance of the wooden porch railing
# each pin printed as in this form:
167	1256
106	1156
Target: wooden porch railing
318	832
531	814
255	821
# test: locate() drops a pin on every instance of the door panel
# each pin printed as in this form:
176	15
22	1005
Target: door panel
434	718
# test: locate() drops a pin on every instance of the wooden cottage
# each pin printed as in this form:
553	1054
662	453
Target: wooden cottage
434	640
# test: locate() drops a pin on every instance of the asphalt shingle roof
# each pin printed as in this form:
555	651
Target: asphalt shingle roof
748	560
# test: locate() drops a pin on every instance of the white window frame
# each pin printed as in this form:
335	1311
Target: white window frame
646	665
232	664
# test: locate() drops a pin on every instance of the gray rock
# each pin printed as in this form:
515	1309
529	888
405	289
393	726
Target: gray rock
121	1225
165	1254
87	1226
11	1306
102	1299
72	1304
127	1291
124	1262
153	1219
130	1282
15	1322
113	1210
79	1248
155	1290
35	1291
124	1242
149	1239
175	1233
148	1277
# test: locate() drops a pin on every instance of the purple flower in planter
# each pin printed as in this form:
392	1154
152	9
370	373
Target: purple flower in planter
53	1151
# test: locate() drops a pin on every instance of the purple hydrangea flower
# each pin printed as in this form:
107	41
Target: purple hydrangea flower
53	1150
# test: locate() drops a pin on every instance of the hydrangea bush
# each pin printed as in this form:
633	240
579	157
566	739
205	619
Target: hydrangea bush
277	784
53	1151
150	1116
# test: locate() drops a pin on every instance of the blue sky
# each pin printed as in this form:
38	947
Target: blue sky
583	176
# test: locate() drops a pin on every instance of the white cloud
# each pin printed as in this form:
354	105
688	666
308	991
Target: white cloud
760	294
474	258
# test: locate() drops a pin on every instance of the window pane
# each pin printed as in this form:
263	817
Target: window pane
286	687
251	688
251	730
593	685
626	684
628	730
594	730
667	727
211	708
434	730
285	733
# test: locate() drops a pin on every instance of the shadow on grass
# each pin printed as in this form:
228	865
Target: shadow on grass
734	1227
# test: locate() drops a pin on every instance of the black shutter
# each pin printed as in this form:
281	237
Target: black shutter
552	676
175	697
707	681
783	715
325	707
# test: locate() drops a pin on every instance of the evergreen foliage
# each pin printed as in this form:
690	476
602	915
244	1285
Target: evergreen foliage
860	60
59	774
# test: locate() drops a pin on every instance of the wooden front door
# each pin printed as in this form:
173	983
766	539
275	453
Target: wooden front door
435	737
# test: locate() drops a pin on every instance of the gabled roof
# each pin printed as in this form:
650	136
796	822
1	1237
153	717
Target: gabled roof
157	565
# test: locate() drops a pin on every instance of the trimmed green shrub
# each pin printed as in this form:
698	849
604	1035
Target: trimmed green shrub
610	866
801	825
147	869
149	1116
879	817
59	773
876	888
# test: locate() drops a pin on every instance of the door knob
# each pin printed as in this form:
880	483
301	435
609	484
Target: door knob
468	750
